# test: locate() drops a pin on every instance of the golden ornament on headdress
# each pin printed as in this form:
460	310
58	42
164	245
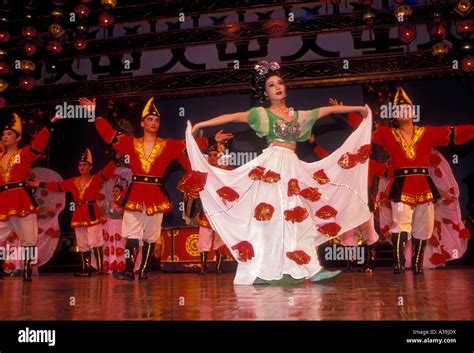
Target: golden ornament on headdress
150	109
401	97
87	156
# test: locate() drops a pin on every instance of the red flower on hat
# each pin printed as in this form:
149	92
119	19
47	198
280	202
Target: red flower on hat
311	194
321	177
329	229
263	211
296	215
256	173
293	187
228	194
299	256
326	212
271	177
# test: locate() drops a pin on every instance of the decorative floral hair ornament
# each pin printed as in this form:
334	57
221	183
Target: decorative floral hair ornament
263	70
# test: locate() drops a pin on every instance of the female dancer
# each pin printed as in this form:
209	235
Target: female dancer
274	210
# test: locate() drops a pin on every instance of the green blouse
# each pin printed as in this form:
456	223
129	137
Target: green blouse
275	128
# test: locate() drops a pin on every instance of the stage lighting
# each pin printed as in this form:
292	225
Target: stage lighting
54	47
27	66
4	36
57	14
407	32
105	19
27	83
29	49
82	11
466	47
110	4
4	67
440	49
79	42
463	7
403	12
468	64
29	32
437	31
465	28
56	30
3	85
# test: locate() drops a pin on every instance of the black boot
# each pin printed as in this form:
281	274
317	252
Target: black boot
418	253
203	262
147	255
369	266
131	248
219	259
86	265
29	253
99	257
399	241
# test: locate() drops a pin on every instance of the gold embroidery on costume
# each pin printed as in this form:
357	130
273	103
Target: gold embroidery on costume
11	162
80	188
145	161
409	148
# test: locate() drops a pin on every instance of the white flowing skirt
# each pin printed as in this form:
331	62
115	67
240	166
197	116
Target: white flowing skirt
346	192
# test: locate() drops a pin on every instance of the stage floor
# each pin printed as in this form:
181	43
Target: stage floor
446	294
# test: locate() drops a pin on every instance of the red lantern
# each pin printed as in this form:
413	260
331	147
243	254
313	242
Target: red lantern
81	10
468	64
4	67
407	32
105	19
437	31
29	49
465	28
54	47
4	36
29	32
27	83
79	43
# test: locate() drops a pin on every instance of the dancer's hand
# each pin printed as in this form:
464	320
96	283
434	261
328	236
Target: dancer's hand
56	118
333	101
364	111
221	136
33	183
89	104
245	251
195	129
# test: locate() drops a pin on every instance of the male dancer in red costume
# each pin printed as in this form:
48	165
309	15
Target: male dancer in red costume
412	192
87	218
18	208
144	202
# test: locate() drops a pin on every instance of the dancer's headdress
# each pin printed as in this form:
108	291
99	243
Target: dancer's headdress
401	97
87	156
150	109
14	124
263	70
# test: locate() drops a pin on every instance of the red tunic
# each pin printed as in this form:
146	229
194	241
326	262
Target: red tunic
416	189
85	215
154	165
18	202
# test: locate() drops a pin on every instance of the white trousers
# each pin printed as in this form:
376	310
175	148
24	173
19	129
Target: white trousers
138	225
417	221
89	237
25	227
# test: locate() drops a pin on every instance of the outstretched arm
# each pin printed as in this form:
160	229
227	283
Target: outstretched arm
342	109
220	120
